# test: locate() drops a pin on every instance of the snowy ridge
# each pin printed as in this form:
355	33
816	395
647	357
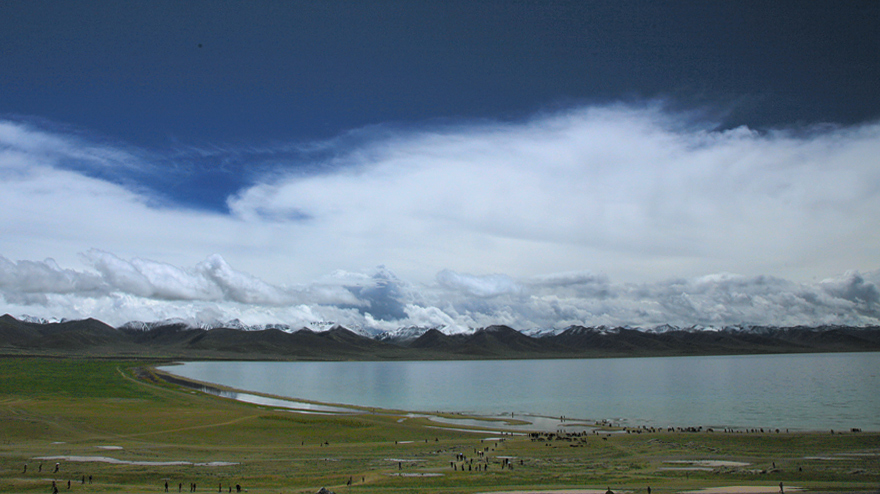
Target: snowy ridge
316	326
411	333
411	341
408	333
231	324
38	320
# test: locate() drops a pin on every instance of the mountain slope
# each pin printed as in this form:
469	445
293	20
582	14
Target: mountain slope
87	335
90	337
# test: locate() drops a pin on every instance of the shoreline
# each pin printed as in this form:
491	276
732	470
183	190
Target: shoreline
463	422
732	489
522	423
132	430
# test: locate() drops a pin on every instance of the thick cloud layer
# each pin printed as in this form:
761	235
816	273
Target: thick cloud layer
634	193
119	291
596	215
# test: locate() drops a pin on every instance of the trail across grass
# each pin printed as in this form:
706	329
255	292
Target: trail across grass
132	434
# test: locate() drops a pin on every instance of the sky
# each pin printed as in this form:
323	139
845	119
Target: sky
447	164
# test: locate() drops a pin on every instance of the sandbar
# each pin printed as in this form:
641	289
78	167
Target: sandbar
563	491
743	489
710	463
114	461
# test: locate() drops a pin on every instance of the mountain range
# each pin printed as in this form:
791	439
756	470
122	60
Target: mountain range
176	340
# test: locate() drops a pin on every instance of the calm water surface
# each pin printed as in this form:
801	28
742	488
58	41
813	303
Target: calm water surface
799	392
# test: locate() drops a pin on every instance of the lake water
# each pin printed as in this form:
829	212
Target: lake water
797	392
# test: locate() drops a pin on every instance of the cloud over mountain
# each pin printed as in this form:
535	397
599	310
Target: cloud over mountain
611	214
120	291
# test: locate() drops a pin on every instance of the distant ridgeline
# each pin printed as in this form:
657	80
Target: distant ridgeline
93	338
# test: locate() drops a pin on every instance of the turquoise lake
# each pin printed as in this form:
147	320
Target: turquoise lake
798	392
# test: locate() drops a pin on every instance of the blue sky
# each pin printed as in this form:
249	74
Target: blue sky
390	163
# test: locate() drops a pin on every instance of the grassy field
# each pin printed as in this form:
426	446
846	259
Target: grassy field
56	410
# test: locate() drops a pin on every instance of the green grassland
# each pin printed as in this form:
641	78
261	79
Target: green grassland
118	409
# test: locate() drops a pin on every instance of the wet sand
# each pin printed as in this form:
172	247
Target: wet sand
744	489
563	491
105	459
733	489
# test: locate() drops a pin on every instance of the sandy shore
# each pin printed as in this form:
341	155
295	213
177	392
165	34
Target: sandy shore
565	491
105	459
744	489
733	489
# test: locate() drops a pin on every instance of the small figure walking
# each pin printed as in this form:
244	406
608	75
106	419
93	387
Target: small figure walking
649	489
780	488
54	488
166	486
57	466
25	468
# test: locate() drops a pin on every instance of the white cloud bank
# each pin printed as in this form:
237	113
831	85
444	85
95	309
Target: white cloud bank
140	290
636	194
